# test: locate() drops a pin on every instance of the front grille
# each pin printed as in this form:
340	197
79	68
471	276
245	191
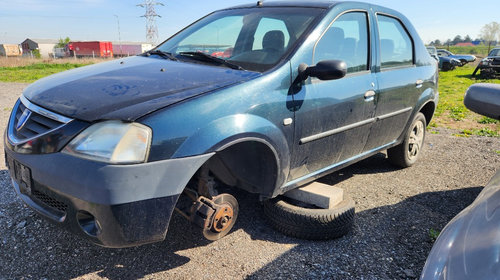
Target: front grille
49	201
34	126
496	61
29	121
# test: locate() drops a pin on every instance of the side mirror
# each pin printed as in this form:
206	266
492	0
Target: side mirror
484	99
324	70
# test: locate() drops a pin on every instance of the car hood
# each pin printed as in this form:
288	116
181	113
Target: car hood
448	59
469	245
130	88
492	57
464	56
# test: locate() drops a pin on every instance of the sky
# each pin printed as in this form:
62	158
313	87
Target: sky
87	20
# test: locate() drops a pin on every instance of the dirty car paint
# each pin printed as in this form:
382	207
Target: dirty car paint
128	88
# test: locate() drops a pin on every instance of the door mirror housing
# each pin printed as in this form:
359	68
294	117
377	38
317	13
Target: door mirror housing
324	70
484	99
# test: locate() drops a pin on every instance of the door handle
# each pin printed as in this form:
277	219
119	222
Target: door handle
369	95
419	83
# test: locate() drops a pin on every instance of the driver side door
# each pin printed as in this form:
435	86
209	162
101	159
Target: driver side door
333	121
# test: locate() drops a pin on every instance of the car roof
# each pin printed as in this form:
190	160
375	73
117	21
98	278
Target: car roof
316	4
305	4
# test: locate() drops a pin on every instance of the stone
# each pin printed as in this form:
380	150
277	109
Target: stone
319	194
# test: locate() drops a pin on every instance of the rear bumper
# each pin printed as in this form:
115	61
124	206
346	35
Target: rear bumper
109	205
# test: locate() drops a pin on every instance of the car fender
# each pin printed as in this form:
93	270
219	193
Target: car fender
429	95
229	130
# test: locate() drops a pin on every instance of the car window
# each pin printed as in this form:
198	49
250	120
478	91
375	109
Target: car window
214	38
443	53
274	26
396	46
346	39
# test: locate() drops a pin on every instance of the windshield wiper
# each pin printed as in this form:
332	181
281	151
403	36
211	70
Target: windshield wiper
209	58
161	53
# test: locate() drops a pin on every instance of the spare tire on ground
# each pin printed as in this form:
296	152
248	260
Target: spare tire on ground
294	219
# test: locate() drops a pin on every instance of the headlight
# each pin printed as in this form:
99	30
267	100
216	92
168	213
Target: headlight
112	142
486	61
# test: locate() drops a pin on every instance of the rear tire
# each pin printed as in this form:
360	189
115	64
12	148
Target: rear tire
307	223
407	153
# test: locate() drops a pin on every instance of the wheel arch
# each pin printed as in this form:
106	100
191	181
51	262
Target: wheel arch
250	152
249	163
428	111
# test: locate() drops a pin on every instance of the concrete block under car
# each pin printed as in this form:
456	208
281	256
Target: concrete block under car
319	194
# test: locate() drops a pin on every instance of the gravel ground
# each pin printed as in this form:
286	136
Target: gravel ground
395	208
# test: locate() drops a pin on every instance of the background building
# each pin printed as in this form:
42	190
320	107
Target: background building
44	46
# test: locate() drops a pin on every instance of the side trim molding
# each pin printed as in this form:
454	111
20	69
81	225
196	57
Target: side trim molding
351	126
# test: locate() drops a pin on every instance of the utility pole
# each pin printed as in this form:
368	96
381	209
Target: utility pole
119	36
150	15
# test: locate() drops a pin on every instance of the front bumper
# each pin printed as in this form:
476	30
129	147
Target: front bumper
109	205
490	66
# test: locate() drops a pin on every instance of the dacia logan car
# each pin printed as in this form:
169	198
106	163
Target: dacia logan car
264	97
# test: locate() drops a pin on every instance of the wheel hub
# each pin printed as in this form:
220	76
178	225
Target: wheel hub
223	218
222	221
416	139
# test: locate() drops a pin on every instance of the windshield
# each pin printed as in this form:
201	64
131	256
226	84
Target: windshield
255	39
495	52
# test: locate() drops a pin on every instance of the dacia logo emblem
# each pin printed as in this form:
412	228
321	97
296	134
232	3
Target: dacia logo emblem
23	119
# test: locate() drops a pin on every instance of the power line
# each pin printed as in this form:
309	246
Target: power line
150	15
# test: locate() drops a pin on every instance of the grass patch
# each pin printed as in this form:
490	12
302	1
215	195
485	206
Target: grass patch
479	132
33	72
486	120
433	234
480	50
451	111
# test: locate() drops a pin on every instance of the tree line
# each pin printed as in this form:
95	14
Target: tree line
489	35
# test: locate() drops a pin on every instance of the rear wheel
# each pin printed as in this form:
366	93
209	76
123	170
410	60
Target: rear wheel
407	153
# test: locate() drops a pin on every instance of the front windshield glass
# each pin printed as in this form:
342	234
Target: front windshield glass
255	39
495	52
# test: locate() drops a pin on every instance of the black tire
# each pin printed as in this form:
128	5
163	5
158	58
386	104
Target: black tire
311	224
446	66
408	152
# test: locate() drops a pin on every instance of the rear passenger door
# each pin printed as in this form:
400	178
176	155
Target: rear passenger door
399	81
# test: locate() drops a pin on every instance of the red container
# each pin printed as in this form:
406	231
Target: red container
94	48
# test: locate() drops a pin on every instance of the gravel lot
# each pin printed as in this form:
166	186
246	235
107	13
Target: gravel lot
395	210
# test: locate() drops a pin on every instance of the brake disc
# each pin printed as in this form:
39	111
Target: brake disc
224	218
